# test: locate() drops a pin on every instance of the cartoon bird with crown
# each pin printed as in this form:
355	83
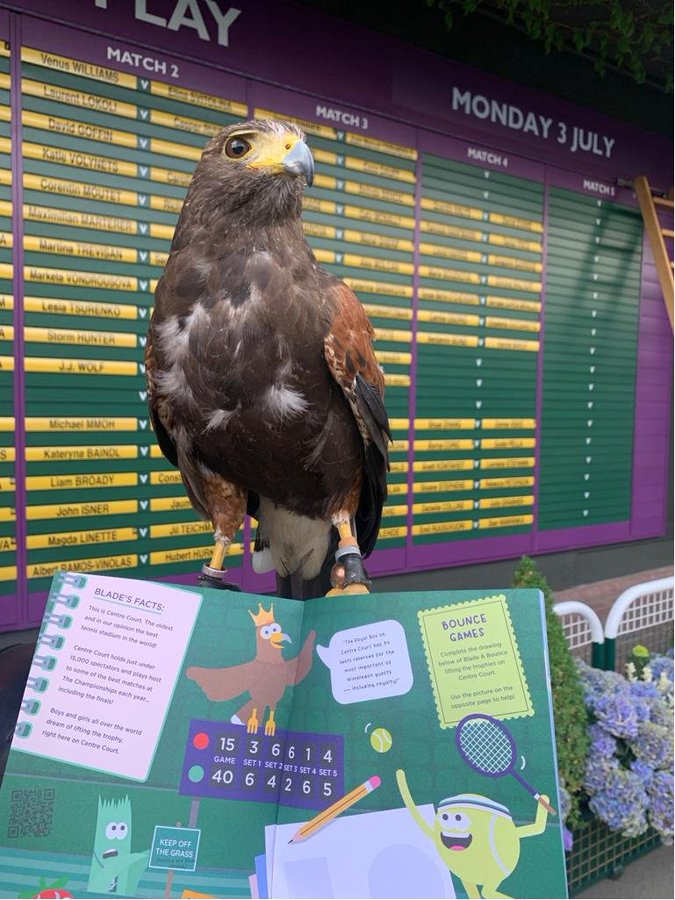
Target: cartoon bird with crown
265	677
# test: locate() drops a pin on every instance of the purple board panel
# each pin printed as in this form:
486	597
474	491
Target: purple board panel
10	368
654	408
285	44
395	133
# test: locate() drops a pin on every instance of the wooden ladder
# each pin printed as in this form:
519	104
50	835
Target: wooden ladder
657	234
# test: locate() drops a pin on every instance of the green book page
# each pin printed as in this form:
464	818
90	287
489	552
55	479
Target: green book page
279	740
396	676
99	789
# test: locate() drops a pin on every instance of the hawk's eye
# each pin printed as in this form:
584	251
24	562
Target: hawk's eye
237	147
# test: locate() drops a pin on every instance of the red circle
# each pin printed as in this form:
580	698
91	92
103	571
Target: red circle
201	741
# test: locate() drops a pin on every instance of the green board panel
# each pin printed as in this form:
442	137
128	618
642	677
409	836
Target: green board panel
477	348
8	572
590	340
106	165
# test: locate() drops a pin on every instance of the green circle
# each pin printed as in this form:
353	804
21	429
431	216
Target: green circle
195	774
380	740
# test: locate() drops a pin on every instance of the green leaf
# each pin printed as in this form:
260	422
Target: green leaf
638	71
579	40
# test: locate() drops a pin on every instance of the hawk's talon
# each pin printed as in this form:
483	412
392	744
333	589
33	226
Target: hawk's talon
348	576
271	725
252	725
354	571
356	588
348	589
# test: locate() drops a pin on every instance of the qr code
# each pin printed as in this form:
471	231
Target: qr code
31	812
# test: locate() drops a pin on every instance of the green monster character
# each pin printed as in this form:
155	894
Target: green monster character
475	837
114	868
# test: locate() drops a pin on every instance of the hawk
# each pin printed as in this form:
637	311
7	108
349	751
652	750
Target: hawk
263	385
265	677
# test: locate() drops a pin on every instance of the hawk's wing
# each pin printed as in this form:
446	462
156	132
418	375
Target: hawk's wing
225	683
161	406
348	348
158	414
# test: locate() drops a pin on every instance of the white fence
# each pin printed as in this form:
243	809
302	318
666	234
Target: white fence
643	614
583	631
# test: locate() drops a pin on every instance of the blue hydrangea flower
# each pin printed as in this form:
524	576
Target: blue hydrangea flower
654	745
617	714
661	713
646	690
597	771
602	742
622	803
643	771
660	664
629	770
661	805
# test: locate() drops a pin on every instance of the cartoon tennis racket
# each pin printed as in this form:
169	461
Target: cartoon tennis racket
487	746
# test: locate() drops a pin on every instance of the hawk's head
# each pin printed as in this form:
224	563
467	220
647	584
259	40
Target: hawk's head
257	167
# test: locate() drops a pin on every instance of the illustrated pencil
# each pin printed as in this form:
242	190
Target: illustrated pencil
327	815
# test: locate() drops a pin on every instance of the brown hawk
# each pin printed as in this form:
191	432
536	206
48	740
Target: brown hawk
265	677
263	385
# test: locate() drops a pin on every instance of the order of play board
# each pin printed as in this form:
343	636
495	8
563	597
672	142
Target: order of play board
509	298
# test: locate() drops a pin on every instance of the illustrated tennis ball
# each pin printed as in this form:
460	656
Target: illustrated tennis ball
380	740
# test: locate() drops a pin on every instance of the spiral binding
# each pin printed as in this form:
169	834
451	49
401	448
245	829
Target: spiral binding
71	578
60	621
46	661
55	641
38	684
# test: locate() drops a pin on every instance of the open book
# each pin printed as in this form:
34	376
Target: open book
184	742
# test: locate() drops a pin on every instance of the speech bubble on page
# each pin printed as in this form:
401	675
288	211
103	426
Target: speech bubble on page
369	662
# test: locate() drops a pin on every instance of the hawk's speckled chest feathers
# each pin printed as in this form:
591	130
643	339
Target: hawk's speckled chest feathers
241	315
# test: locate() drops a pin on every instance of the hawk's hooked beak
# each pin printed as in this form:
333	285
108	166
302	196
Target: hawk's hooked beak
277	639
299	161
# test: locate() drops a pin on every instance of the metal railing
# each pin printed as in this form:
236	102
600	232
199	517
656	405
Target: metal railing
640	614
583	631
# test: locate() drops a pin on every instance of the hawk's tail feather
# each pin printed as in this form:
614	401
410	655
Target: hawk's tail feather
295	587
372	499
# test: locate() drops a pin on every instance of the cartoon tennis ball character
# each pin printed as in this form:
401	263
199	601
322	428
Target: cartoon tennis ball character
475	837
380	740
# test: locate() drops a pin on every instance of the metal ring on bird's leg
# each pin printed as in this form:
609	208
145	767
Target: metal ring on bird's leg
345	550
213	578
